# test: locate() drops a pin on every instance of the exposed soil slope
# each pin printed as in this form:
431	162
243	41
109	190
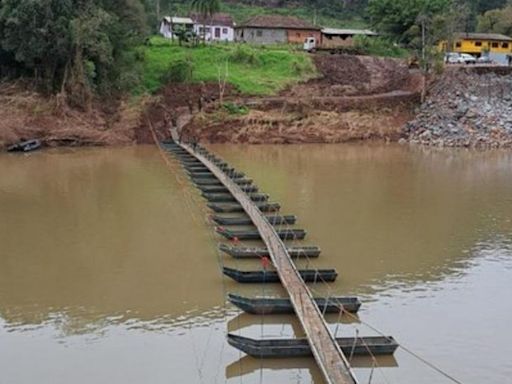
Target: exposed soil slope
175	106
26	114
347	75
281	127
355	98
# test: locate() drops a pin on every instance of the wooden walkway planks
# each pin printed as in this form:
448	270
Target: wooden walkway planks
328	355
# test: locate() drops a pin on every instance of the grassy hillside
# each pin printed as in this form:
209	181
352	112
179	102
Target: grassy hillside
252	70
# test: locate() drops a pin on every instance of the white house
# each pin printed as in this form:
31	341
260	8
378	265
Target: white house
219	27
169	25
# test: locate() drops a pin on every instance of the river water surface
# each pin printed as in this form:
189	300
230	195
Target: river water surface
109	270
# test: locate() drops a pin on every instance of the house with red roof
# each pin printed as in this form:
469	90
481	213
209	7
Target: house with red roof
271	29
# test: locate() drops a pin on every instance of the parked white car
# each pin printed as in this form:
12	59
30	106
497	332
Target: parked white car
484	60
466	58
460	58
451	58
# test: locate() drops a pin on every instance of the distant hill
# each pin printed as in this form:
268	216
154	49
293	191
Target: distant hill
332	13
349	6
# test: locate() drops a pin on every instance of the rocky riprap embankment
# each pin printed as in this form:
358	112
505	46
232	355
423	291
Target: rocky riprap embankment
469	107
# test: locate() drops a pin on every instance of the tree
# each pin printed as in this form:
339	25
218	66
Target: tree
396	17
206	9
496	21
75	47
482	6
184	36
36	34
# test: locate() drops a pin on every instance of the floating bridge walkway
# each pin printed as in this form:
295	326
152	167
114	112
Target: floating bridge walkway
228	190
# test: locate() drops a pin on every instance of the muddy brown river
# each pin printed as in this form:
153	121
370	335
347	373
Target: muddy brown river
109	269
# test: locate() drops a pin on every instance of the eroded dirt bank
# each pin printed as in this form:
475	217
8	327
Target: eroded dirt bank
26	114
355	98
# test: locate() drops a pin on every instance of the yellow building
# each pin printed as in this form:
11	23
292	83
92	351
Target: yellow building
479	43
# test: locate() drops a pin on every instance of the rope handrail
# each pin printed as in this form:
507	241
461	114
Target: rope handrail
281	247
319	344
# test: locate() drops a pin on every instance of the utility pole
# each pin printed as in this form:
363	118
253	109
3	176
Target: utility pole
422	19
423	39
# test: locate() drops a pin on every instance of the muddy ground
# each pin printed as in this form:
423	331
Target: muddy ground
26	114
347	75
175	106
355	98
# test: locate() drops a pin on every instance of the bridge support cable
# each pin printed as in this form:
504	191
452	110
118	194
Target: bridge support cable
328	354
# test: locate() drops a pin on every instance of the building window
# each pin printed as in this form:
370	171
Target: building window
259	33
495	45
504	45
458	44
298	34
224	31
202	30
478	43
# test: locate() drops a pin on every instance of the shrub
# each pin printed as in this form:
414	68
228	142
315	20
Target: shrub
234	109
179	71
379	46
300	66
244	55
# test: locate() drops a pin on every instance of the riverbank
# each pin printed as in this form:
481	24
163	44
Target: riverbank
466	107
199	75
28	114
351	98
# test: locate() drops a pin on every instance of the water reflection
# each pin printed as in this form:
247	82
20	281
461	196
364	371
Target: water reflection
250	366
437	277
109	270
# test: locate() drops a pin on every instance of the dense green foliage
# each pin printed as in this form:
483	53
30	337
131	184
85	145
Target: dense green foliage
331	13
251	70
405	19
81	48
397	17
481	6
379	46
323	16
205	8
420	24
496	21
74	46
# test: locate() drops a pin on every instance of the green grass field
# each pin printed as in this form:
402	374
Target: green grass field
253	70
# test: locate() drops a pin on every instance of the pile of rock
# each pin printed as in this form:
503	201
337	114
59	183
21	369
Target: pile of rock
466	108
